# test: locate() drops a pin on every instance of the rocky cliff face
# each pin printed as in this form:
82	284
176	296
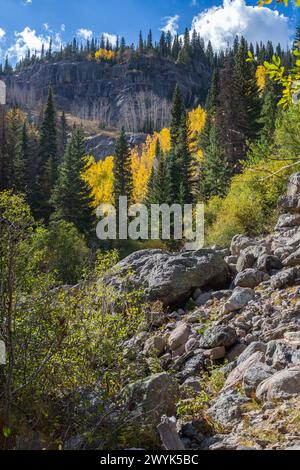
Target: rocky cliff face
136	94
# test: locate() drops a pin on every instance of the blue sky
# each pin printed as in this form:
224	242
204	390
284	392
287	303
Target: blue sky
26	23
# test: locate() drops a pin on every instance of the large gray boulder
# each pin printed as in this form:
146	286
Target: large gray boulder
288	277
289	204
153	397
293	259
240	297
179	336
171	277
287	221
218	335
294	185
255	375
226	409
282	385
240	243
250	278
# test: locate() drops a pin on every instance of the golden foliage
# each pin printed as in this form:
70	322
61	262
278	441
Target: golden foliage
197	119
99	175
143	162
104	54
261	77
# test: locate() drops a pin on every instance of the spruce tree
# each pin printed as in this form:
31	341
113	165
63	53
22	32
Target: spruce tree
72	197
239	106
184	163
269	111
158	191
296	43
123	181
214	172
48	161
62	136
149	42
176	116
21	162
5	173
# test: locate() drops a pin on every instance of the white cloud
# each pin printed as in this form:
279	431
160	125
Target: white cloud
171	24
111	37
84	33
28	2
63	27
29	39
2	33
221	24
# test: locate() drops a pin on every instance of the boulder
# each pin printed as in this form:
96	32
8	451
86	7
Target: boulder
194	383
155	345
239	243
215	353
235	351
179	336
153	397
288	221
283	385
218	335
227	408
232	259
245	261
285	278
192	367
293	188
256	346
293	259
240	297
203	298
289	204
281	355
237	375
268	263
254	376
250	278
170	277
191	344
283	252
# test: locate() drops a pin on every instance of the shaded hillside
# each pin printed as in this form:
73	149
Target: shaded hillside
136	94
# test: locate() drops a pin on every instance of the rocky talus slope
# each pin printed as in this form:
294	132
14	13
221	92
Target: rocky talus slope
227	359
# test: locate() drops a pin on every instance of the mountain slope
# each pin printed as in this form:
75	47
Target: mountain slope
135	94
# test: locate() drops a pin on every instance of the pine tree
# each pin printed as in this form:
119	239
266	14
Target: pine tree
149	42
184	163
214	172
123	180
10	132
296	43
177	113
72	197
21	161
211	105
158	191
269	111
239	106
5	173
141	43
48	161
62	135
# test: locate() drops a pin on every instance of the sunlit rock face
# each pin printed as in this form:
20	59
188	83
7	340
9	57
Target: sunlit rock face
136	94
